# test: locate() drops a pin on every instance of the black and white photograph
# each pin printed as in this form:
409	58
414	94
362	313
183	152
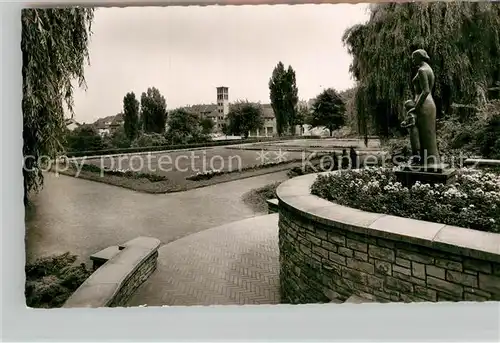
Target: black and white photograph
261	155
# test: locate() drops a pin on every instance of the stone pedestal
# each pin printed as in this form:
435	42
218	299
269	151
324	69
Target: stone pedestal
431	174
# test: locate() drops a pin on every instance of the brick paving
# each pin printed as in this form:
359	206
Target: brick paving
83	217
236	263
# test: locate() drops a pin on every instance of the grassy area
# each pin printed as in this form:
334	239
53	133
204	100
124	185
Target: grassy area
256	198
175	184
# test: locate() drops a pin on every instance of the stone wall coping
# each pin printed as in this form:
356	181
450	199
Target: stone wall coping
482	162
295	195
103	285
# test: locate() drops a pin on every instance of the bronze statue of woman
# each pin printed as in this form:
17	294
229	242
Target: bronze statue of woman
425	108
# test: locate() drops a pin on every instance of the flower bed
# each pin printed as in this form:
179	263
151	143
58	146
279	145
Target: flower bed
212	173
122	173
473	201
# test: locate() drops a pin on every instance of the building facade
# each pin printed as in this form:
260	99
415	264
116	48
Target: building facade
219	112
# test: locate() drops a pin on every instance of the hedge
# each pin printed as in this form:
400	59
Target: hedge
183	146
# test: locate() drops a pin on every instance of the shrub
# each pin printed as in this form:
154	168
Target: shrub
212	173
256	198
473	201
50	281
149	140
169	146
123	173
83	138
488	137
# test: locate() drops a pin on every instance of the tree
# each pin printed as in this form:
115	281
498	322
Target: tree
54	51
302	114
153	111
119	138
348	97
184	127
328	110
207	125
284	97
131	116
85	138
462	39
245	117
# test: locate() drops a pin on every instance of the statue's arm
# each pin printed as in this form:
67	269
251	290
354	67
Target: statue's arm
425	89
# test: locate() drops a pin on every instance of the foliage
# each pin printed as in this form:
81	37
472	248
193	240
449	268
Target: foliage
475	133
130	174
352	120
184	127
207	125
131	116
244	117
150	139
256	198
84	137
153	111
54	51
284	97
302	114
50	281
488	137
117	139
328	110
462	39
473	201
201	144
215	172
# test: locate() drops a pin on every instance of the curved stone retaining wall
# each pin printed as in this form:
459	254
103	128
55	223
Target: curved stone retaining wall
328	252
113	283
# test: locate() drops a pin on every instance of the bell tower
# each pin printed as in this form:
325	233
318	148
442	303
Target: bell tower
223	101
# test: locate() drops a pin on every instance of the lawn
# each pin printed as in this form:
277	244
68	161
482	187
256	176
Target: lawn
178	166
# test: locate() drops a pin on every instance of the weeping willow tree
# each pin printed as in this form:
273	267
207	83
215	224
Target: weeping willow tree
462	39
54	50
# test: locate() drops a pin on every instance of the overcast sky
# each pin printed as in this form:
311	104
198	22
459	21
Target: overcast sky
186	52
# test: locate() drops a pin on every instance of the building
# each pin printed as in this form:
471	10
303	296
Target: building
108	125
269	128
71	124
218	113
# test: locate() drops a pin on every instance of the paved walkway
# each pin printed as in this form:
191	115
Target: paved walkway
83	217
236	263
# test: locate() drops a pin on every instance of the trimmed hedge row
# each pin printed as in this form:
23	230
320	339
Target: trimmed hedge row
183	146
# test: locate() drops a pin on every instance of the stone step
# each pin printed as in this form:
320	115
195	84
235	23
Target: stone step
272	205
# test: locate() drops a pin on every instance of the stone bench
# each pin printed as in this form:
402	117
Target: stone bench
272	205
103	256
125	268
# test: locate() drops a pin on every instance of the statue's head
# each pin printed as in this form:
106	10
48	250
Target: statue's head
419	56
409	104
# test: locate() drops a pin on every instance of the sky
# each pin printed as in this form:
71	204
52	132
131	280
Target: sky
186	52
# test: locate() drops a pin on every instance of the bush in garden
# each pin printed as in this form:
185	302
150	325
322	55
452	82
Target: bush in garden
50	281
473	201
150	139
488	137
